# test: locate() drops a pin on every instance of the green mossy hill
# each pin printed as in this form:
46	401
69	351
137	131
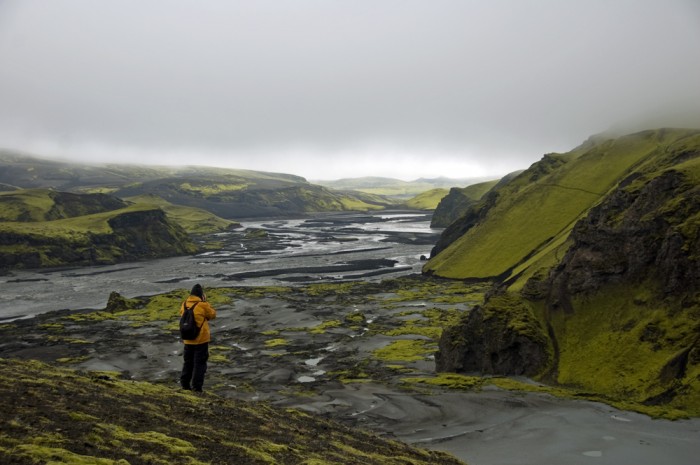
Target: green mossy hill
24	172
539	207
428	200
457	202
60	416
227	193
236	197
132	233
614	286
47	205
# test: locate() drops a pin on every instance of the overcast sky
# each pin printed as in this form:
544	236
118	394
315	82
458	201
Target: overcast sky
331	89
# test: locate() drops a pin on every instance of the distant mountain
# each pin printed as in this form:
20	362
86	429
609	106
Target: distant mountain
228	193
397	188
596	258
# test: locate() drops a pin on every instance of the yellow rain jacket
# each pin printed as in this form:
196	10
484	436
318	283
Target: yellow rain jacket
203	312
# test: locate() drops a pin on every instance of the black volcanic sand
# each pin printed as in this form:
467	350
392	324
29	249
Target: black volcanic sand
314	347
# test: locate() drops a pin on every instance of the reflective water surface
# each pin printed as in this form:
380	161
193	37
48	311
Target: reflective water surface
327	247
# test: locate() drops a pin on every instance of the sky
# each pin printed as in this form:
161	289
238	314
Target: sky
338	88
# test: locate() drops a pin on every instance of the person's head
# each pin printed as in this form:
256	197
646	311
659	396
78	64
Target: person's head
198	291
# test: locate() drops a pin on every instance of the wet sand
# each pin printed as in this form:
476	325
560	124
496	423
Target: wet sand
495	427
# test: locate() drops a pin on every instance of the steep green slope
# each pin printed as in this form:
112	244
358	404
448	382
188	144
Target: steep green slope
544	202
609	302
59	416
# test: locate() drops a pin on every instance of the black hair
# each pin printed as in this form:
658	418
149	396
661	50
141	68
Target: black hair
198	291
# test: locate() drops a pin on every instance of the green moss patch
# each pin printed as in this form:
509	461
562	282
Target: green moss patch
406	350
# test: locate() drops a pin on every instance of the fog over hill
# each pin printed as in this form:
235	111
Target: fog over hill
327	90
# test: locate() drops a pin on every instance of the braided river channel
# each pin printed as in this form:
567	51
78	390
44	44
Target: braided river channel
328	248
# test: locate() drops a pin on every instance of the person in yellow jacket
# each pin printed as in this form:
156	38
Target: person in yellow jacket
196	351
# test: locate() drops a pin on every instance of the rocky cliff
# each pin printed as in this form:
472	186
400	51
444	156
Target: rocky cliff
611	303
458	201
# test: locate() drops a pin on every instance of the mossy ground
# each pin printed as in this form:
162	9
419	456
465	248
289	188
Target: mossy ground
622	345
60	416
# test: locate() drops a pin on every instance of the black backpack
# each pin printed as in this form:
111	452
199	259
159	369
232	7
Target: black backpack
188	326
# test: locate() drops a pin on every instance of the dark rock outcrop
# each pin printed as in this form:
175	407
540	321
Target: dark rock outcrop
503	337
149	234
453	206
637	234
116	302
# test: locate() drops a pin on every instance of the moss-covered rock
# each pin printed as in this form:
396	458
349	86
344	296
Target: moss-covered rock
501	337
457	202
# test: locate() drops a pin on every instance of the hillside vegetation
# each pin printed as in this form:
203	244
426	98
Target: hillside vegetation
59	416
596	254
228	193
427	200
42	227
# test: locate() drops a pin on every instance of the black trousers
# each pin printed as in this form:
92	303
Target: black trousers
194	366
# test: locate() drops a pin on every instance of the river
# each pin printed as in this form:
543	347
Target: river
328	247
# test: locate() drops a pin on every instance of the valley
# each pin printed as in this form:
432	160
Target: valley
331	316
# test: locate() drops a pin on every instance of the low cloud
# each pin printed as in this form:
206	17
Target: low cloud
339	89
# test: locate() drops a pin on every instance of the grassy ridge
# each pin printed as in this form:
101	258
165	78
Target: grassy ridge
428	200
534	208
25	205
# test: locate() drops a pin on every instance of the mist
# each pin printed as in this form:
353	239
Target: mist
326	90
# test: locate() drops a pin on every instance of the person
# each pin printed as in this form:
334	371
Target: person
196	351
